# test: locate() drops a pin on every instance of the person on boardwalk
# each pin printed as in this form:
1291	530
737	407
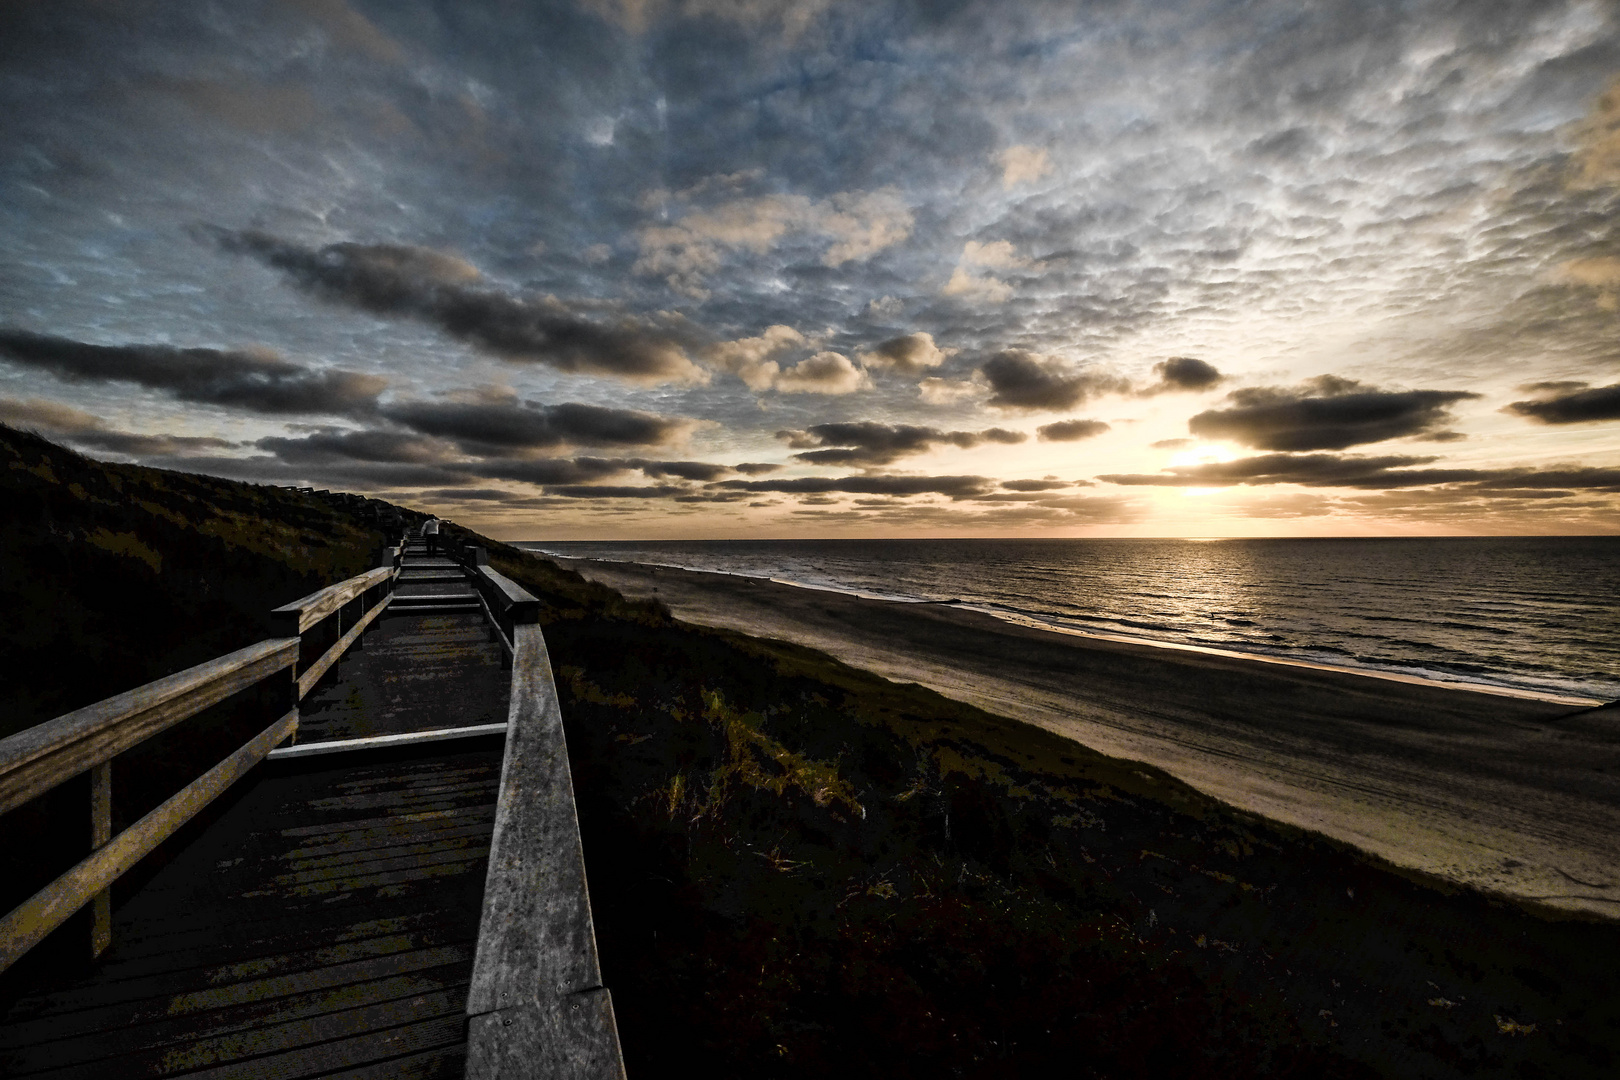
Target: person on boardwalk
430	533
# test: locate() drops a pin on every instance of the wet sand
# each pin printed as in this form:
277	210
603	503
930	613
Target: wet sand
1512	796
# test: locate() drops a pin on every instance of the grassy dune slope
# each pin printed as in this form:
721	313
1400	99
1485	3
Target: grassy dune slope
123	574
800	869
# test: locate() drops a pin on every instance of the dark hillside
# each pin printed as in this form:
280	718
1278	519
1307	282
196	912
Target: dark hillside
114	575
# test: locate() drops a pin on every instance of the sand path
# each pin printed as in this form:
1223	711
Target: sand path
1507	795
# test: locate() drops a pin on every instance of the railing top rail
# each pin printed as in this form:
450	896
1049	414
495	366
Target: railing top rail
36	760
321	603
514	601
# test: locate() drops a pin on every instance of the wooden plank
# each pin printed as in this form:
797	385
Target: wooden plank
248	1007
308	679
567	1038
85	1024
306	612
382	742
36	760
535	939
23	928
100	833
514	601
311	1046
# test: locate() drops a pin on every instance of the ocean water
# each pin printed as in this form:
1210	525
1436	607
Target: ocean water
1525	613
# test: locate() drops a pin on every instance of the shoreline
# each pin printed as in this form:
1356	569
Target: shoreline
1015	618
1515	796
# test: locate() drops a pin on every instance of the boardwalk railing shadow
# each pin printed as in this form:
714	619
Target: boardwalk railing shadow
535	1005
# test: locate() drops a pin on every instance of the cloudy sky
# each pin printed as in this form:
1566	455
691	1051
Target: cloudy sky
702	268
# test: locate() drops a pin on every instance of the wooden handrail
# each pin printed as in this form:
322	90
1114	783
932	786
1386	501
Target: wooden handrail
34	761
537	1006
47	909
302	614
38	759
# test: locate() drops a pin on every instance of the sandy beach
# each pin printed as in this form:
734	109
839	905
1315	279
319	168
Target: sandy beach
1512	796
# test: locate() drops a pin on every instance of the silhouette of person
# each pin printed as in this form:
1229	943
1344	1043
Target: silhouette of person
430	533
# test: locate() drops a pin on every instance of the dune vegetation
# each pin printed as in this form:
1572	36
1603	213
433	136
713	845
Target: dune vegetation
798	868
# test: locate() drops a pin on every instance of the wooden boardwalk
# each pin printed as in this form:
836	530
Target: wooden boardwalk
327	923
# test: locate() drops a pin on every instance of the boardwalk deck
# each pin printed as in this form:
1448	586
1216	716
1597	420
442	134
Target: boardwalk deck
326	924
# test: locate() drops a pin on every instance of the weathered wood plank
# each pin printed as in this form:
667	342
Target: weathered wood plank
308	679
536	939
252	994
47	909
36	760
568	1038
308	1046
252	1009
100	833
380	742
306	612
516	604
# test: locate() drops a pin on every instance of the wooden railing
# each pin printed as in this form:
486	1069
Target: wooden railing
35	761
351	604
537	1006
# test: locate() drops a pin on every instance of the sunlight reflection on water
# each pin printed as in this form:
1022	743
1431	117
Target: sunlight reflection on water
1529	612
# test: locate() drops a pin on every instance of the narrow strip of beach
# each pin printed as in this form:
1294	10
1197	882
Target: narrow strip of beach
1509	795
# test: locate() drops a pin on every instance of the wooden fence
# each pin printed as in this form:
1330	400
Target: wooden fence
34	761
537	1006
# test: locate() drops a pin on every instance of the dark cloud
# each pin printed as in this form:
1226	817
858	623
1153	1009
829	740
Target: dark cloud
1570	403
370	445
1184	373
84	430
496	427
1325	413
1034	485
393	279
1171	444
956	487
258	381
684	470
1071	430
909	354
1383	473
756	468
467	495
1022	380
868	444
582	470
608	491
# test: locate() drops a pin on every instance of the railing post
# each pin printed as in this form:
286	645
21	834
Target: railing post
100	834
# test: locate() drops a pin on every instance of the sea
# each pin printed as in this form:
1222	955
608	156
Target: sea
1537	616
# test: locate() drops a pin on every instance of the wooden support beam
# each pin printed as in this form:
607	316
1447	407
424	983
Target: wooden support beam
47	909
512	600
308	679
37	759
100	833
537	956
384	742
